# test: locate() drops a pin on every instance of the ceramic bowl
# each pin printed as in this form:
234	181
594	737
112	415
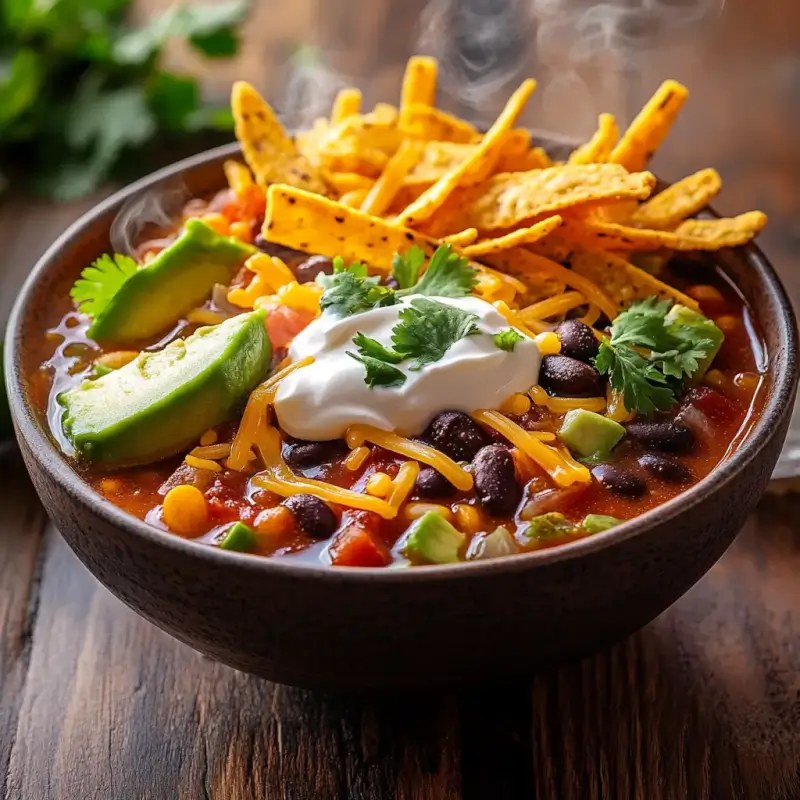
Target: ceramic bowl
377	629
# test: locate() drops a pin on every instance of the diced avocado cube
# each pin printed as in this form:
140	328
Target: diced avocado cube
177	280
596	523
499	542
161	403
433	538
550	526
703	328
590	435
239	537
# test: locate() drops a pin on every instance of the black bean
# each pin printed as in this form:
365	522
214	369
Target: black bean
306	271
276	250
577	340
666	435
313	515
456	435
431	483
665	468
565	376
303	454
619	480
496	481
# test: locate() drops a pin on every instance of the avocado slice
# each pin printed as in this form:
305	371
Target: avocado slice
177	280
685	317
162	402
434	539
550	526
239	537
597	523
590	435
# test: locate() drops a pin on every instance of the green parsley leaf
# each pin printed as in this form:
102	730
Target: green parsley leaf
348	294
98	283
642	325
678	363
356	267
428	328
379	373
507	339
373	348
448	275
406	266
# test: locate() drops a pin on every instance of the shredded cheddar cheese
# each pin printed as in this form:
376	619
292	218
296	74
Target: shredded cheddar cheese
560	405
212	451
357	434
402	485
552	307
355	460
560	466
202	463
513	318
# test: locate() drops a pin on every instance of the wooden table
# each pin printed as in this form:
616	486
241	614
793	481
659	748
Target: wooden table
703	703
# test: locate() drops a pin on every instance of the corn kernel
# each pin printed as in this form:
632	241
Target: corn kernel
548	343
110	485
208	438
185	509
727	323
716	379
379	484
467	518
417	510
217	222
705	294
242	231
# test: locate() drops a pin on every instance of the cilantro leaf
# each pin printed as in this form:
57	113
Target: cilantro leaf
406	267
448	275
507	339
348	294
98	283
356	267
642	325
373	348
644	389
379	373
428	328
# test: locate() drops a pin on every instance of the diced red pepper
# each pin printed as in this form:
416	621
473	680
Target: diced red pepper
356	547
713	404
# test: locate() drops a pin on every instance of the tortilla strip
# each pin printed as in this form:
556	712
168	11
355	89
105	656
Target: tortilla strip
531	158
344	182
516	238
508	199
429	123
474	168
678	201
354	198
694	234
462	238
598	148
346	104
239	177
537	269
419	83
621	280
386	187
268	149
650	127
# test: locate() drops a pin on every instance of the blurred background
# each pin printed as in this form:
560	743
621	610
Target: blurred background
96	92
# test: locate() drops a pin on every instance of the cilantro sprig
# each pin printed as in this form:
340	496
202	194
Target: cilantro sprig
98	283
507	339
448	274
649	356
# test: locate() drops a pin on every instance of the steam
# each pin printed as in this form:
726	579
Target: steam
147	215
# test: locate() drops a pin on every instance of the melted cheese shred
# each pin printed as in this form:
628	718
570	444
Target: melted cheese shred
552	307
560	405
558	464
358	434
278	478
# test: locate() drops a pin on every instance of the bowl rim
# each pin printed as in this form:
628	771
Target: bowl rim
782	370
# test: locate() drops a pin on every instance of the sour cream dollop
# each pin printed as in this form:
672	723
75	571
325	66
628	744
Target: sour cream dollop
320	401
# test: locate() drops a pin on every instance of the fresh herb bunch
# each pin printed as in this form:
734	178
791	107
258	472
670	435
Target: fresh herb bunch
81	91
649	355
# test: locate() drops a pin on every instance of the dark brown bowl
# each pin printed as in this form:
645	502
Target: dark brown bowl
377	629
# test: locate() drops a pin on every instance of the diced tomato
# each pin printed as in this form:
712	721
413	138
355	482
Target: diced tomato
222	509
284	323
356	547
713	404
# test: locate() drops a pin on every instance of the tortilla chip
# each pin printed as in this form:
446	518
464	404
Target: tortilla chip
419	83
239	177
542	273
679	201
307	142
462	238
305	221
354	198
516	238
509	199
523	161
708	234
268	149
343	182
473	169
598	149
346	104
650	127
622	281
380	197
429	123
385	114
